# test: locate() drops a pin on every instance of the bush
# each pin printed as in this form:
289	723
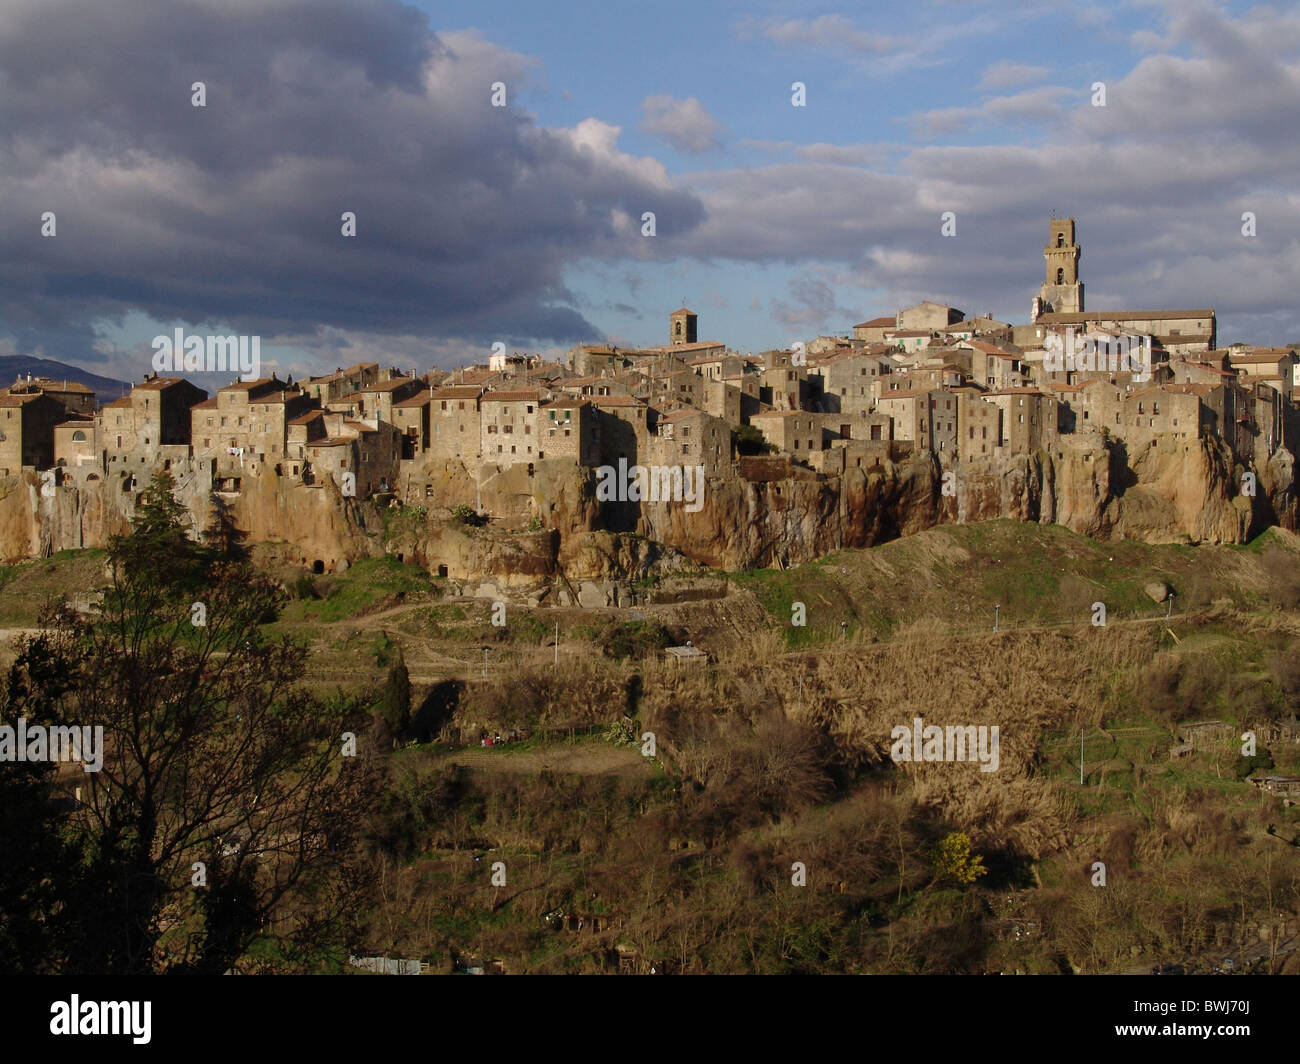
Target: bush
467	515
749	441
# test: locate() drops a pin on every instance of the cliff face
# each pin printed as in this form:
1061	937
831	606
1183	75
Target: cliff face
1163	491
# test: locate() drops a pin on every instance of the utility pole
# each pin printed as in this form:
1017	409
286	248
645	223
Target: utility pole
1169	605
1082	728
996	607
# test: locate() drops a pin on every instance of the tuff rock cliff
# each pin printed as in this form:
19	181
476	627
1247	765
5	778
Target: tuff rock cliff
1164	491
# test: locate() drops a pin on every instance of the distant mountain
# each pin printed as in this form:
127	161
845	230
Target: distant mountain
13	366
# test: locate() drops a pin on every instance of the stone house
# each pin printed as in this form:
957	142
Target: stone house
624	428
873	331
341	382
508	426
1029	419
27	423
456	423
1273	366
928	316
979	426
156	414
692	438
74	397
569	429
1175	409
793	432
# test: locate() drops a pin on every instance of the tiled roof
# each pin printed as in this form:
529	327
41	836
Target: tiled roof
522	396
458	391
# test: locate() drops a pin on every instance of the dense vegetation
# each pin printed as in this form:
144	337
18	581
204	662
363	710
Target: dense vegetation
631	814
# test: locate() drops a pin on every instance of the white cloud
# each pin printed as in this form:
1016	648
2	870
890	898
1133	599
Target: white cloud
828	31
683	124
1007	75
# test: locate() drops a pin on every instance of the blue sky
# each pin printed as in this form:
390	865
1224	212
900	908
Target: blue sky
522	224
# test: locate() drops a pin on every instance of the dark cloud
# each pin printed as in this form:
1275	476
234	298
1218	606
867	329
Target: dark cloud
467	214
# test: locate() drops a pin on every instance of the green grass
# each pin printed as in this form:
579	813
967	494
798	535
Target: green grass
365	584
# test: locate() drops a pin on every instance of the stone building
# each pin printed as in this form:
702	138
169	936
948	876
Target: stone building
341	382
928	317
1273	366
508	426
27	423
74	397
624	427
569	429
847	381
873	331
979	426
156	414
795	432
456	425
692	438
411	419
1029	420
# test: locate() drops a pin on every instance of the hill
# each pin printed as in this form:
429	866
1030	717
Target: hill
14	366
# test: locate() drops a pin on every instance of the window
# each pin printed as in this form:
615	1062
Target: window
1060	277
78	437
508	429
1060	240
529	408
444	404
686	448
209	421
528	430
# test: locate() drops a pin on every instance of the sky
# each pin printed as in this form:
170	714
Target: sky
523	224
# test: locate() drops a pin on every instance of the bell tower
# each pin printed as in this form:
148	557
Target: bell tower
1061	291
682	326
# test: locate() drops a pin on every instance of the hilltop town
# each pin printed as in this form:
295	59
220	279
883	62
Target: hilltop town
960	393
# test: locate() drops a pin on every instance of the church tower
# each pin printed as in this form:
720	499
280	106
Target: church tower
1061	291
682	326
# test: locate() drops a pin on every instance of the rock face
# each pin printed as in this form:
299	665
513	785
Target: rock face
1165	491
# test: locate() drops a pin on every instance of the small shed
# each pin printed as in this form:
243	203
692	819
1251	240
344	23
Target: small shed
687	655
